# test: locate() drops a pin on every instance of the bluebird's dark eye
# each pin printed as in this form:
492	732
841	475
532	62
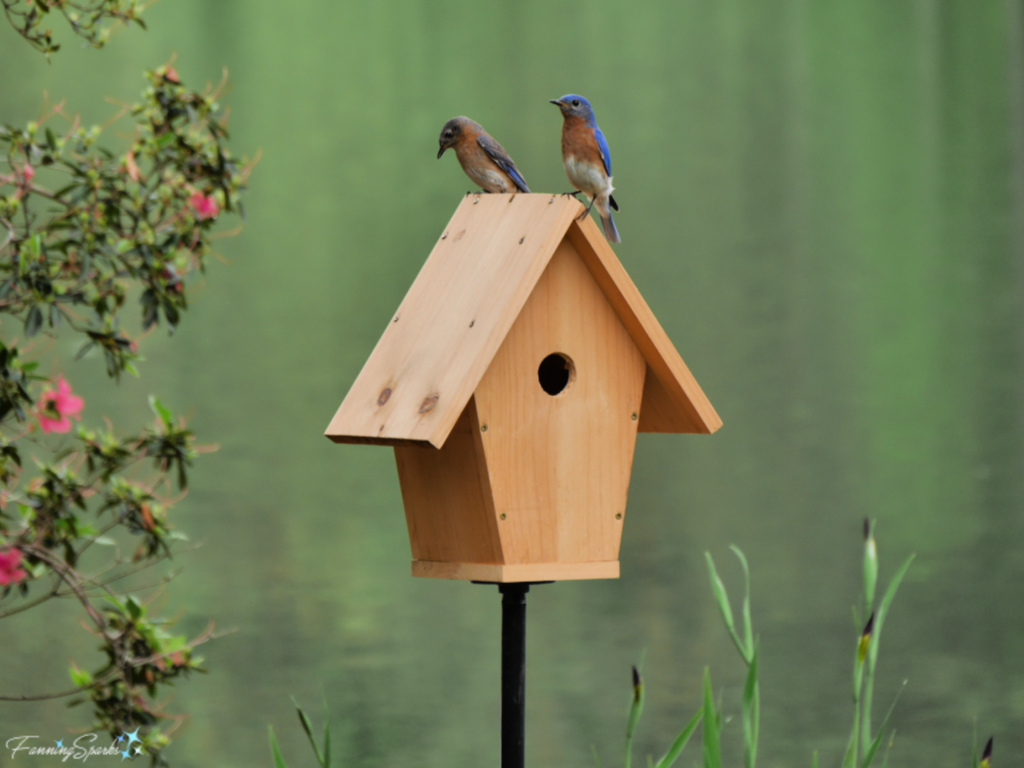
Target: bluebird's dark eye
575	102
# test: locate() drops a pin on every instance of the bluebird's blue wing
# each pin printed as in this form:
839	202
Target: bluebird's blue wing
500	157
603	146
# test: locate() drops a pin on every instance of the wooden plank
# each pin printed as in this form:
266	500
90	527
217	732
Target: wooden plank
673	400
505	574
453	319
559	466
447	497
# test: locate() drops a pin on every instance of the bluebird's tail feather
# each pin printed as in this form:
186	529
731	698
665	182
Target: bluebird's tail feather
610	232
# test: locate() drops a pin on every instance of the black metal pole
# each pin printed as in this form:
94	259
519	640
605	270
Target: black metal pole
513	674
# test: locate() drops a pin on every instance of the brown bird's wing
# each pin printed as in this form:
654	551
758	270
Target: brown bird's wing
500	157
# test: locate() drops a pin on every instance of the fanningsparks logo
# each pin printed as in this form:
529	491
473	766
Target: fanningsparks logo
128	746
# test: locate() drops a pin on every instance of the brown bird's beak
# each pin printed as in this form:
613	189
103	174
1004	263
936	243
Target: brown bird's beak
441	151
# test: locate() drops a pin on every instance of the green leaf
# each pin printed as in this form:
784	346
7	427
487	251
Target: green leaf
722	598
712	745
748	628
870	566
307	726
165	416
751	711
278	760
34	321
636	708
872	655
135	609
80	677
677	746
869	756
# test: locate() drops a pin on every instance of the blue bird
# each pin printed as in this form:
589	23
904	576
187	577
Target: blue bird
588	163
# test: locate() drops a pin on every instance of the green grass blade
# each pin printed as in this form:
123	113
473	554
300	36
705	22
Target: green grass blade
870	566
307	726
681	740
722	598
748	627
814	759
712	746
850	758
870	754
974	749
876	636
636	708
597	759
278	760
888	749
751	710
650	762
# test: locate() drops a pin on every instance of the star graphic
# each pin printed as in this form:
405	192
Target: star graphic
138	750
120	738
60	744
133	737
124	755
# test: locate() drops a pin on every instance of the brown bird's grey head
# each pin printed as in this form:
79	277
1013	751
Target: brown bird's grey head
452	132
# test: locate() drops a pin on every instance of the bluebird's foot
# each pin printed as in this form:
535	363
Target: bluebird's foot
570	194
586	213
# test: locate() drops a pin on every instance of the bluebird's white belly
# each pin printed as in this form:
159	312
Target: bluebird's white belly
588	178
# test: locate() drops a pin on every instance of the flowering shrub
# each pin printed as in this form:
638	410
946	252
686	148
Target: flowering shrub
89	19
82	227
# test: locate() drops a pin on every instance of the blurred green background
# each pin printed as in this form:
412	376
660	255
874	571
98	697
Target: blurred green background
823	204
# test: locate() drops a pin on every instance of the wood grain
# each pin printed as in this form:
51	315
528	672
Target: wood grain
504	574
447	497
433	354
559	466
673	400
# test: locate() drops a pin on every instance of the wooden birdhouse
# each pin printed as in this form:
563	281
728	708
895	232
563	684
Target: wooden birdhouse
511	382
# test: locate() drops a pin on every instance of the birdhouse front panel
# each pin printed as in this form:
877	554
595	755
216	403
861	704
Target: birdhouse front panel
558	411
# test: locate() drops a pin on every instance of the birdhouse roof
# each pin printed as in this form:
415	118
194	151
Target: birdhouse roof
440	342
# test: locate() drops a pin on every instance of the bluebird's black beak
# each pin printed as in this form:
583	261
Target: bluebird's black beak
557	103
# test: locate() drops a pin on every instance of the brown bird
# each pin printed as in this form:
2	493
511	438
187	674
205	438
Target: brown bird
483	159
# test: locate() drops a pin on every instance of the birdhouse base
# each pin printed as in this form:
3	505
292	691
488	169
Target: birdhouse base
498	573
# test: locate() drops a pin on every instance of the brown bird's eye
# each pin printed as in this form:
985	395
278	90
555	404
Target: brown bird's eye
447	134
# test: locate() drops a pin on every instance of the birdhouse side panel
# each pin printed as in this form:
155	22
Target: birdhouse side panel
447	498
673	400
559	409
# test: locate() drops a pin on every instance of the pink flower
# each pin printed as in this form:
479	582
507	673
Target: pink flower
56	407
10	572
29	172
204	206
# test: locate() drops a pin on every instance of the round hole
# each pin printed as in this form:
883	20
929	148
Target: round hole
556	373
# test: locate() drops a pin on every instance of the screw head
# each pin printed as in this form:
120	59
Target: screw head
483	427
503	515
634	417
618	515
